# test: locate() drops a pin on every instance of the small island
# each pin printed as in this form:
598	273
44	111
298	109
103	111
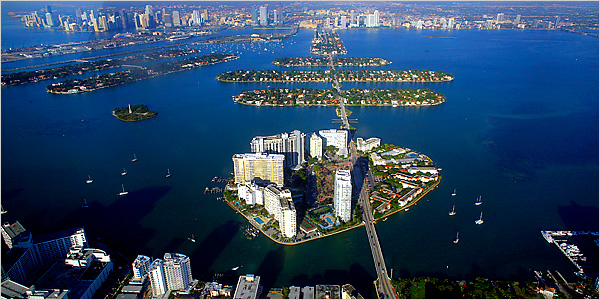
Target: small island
326	97
327	43
342	76
134	113
337	61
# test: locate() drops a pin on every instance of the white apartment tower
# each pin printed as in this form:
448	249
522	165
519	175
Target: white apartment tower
173	272
342	195
263	16
140	266
316	146
157	278
336	138
291	145
279	203
258	166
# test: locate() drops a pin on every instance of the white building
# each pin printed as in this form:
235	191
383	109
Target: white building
247	287
316	146
258	166
157	278
368	145
336	138
291	145
342	195
172	273
279	204
263	16
140	266
252	193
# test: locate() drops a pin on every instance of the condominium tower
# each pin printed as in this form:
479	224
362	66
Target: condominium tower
258	167
316	146
337	138
173	272
279	203
342	195
290	145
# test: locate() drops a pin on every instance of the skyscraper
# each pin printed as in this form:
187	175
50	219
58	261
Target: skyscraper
316	146
258	167
263	16
290	145
451	23
197	18
173	272
376	15
279	204
140	266
336	138
254	17
275	17
176	19
280	14
157	278
342	195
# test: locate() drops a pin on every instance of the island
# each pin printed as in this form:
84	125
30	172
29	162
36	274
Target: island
401	176
342	76
327	43
74	86
24	77
337	61
326	97
134	113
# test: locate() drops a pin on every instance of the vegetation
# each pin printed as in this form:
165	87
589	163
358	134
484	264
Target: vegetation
432	287
326	43
138	112
357	97
107	80
343	75
337	61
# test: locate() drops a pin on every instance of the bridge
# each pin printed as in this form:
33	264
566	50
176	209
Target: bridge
384	285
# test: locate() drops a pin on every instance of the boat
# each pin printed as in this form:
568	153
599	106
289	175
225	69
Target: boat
235	268
478	202
84	203
124	172
454	193
2	211
456	240
89	180
384	219
124	192
168	174
453	212
192	239
480	221
134	158
406	209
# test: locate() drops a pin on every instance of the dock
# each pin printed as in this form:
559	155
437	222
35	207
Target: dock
213	190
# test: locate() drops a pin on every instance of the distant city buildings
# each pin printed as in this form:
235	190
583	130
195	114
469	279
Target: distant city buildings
259	167
264	19
337	138
316	146
342	195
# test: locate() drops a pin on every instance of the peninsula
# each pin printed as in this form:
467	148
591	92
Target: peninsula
134	113
342	76
337	61
326	97
93	83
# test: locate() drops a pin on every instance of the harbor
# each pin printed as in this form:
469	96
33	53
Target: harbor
580	247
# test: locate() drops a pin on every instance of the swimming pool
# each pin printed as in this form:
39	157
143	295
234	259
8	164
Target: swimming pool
258	220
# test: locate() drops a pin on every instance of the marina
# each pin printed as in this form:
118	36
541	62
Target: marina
213	190
580	247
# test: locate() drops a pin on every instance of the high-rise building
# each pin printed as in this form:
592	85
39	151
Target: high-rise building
275	17
140	266
178	272
280	14
263	16
316	146
352	16
254	17
290	145
196	18
252	193
500	18
376	15
149	9
337	138
176	19
557	22
49	20
260	167
279	203
451	23
518	20
343	22
15	235
342	195
157	278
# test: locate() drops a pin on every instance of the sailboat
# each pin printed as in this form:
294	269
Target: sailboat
84	203
454	193
480	221
453	212
124	172
235	268
456	240
124	192
2	210
478	202
89	180
168	174
192	239
134	158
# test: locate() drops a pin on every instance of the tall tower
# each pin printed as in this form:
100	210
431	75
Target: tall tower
316	146
263	16
177	270
157	278
342	195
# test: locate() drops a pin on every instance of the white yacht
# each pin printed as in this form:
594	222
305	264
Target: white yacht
134	158
124	172
454	193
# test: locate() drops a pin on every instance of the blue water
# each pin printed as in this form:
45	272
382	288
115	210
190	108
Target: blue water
519	128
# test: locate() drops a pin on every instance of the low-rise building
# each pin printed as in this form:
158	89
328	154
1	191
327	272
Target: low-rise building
248	287
323	291
251	193
367	145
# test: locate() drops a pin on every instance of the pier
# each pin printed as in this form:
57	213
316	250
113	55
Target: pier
213	190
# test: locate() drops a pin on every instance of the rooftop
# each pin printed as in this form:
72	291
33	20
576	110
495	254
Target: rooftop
247	287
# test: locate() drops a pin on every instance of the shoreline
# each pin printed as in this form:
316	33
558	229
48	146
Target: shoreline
335	104
418	198
329	80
